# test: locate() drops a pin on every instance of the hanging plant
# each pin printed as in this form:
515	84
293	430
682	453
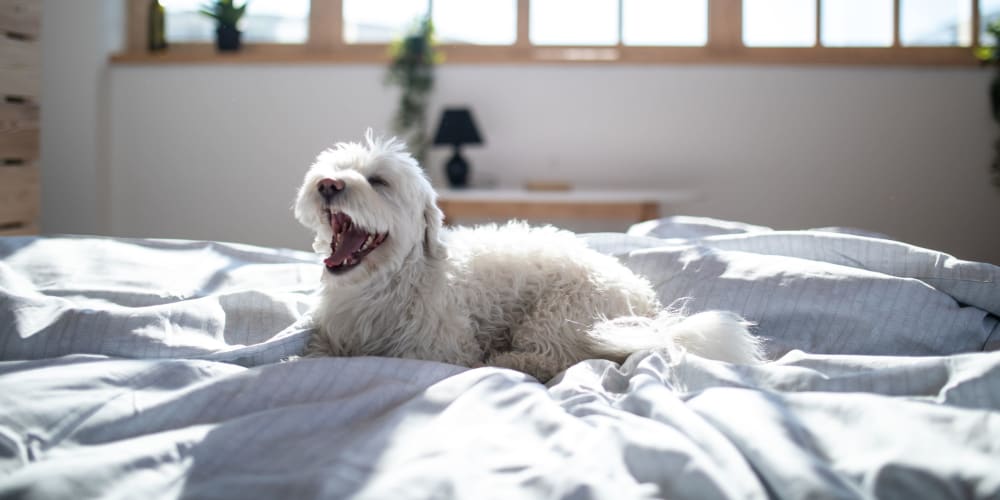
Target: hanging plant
412	69
990	56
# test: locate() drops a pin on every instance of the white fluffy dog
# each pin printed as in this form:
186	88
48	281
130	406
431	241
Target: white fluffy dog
533	299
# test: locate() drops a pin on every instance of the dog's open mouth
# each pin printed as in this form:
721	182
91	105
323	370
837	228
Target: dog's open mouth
350	243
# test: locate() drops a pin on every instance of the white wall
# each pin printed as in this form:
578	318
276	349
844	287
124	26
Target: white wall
76	39
207	152
216	152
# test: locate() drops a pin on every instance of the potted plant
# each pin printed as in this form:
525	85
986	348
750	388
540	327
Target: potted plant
412	69
990	55
227	17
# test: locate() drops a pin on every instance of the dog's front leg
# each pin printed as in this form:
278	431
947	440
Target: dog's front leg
318	346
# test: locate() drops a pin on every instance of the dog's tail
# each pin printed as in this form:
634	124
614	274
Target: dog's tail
719	335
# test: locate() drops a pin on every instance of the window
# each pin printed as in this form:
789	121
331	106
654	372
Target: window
281	21
628	22
859	23
592	22
989	11
494	22
935	22
484	22
379	21
665	22
856	23
630	31
779	23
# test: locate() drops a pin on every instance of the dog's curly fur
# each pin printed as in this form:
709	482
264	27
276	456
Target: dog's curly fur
534	299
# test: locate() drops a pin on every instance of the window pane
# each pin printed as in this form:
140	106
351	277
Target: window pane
380	21
935	22
989	11
573	22
488	22
185	24
282	21
856	23
779	23
665	22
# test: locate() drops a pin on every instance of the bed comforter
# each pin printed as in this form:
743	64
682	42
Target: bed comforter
153	369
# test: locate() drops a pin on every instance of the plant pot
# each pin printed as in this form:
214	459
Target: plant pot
227	38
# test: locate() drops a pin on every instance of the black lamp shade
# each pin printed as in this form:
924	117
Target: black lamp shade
457	127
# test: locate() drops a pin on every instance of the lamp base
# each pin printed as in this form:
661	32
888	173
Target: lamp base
457	170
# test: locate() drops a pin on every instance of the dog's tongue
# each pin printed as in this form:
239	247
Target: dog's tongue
350	243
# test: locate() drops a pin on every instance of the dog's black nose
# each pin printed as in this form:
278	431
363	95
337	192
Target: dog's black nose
328	188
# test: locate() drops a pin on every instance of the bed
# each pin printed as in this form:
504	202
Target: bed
141	368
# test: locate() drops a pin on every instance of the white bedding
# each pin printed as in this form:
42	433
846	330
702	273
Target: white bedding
149	369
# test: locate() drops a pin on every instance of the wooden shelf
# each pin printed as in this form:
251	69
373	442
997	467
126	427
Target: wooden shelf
204	53
502	204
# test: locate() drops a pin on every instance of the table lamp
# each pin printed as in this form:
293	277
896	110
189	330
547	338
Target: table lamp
456	128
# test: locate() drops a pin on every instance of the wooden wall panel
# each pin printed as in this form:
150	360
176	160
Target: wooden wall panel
19	195
20	69
19	147
18	116
19	133
21	17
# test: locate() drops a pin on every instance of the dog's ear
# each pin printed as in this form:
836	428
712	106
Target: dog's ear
433	219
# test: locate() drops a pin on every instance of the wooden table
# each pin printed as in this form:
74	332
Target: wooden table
496	204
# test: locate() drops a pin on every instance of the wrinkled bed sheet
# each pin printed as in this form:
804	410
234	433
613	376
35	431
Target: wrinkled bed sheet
150	369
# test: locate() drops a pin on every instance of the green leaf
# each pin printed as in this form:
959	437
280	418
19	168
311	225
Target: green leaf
224	12
411	67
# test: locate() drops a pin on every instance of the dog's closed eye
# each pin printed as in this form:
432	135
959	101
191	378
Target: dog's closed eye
378	181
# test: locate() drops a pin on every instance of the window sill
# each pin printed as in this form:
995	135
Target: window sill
467	54
204	53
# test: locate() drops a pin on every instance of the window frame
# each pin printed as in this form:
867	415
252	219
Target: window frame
325	44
